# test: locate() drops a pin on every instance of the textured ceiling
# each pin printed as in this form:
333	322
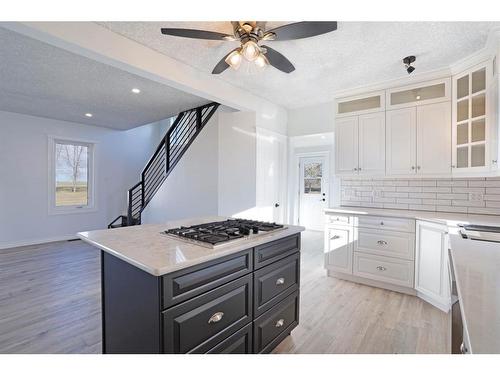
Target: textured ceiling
41	80
358	53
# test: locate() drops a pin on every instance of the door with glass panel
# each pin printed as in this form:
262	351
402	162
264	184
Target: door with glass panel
470	122
313	192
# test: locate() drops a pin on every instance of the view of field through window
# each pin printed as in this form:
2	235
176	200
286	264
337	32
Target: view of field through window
312	178
71	162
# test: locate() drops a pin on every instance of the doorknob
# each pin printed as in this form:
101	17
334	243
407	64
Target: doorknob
323	199
276	205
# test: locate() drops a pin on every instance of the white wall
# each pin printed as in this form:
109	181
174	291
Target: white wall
24	218
191	189
237	162
311	120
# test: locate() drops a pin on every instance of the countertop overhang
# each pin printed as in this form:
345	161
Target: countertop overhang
145	247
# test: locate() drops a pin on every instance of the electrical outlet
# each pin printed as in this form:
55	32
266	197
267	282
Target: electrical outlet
476	197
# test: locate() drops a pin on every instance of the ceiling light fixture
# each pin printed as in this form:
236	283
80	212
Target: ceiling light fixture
234	59
136	91
407	61
89	115
261	61
251	50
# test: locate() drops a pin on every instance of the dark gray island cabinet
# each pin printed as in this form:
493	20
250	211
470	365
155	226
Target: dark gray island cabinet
245	302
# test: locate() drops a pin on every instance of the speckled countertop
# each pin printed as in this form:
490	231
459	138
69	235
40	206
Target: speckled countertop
477	272
147	248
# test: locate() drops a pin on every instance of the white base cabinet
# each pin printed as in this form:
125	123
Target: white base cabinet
339	248
431	264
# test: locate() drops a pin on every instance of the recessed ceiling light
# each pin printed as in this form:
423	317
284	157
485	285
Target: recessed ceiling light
136	91
88	115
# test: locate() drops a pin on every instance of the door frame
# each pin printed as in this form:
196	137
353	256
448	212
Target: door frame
296	187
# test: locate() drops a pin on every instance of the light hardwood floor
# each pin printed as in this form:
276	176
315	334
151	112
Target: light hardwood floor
50	303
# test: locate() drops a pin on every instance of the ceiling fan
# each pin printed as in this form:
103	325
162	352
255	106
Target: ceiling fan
249	34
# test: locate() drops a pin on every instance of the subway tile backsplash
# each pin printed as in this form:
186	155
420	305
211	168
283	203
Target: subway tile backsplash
465	195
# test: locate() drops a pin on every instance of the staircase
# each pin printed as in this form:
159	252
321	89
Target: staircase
186	127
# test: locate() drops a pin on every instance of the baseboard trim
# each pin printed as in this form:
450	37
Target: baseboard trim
374	283
36	241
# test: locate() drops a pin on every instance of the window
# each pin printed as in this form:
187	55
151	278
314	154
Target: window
312	178
71	178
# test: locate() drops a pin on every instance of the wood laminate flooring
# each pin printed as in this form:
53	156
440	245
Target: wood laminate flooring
50	303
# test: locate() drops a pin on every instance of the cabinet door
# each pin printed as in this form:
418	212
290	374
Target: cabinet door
401	141
371	146
339	249
346	145
431	269
434	138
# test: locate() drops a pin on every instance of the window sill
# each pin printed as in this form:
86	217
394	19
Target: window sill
71	210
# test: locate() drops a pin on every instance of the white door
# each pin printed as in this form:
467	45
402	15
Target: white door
371	133
434	138
271	178
401	141
313	191
346	145
339	249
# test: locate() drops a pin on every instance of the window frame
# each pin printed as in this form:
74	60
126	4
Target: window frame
91	205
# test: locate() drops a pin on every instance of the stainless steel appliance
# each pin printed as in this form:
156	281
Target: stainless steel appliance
480	232
458	345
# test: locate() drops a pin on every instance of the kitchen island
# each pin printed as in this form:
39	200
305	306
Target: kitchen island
162	294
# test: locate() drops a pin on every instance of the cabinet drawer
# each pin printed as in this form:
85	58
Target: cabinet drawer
387	223
272	282
187	283
238	343
199	324
338	219
388	243
390	270
273	326
276	250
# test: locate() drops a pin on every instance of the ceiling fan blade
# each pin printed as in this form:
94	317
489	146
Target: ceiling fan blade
279	61
299	30
196	34
222	64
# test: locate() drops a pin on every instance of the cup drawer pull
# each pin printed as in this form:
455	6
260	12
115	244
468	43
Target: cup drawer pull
280	323
336	237
381	268
280	281
217	317
382	242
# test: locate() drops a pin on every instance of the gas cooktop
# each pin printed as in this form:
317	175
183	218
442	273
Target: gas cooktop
221	232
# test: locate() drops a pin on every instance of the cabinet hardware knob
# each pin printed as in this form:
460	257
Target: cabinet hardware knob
381	223
280	281
359	169
418	167
412	167
453	166
217	317
280	323
494	161
336	237
381	268
382	242
463	348
355	169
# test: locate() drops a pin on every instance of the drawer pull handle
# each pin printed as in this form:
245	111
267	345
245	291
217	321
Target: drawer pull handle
335	237
217	317
280	281
381	223
280	323
382	242
381	268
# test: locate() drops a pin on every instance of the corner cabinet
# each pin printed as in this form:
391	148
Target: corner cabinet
473	110
431	264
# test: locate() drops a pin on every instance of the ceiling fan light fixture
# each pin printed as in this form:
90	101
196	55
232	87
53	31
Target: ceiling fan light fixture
261	61
250	50
234	59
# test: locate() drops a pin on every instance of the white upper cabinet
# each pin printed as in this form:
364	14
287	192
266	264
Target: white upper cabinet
434	139
346	146
471	120
360	104
401	140
419	94
371	146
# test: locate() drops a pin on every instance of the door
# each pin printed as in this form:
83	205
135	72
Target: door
339	249
371	147
346	145
434	138
431	268
401	142
313	191
270	179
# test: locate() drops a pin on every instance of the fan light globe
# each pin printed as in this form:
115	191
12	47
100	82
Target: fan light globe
234	60
251	50
261	61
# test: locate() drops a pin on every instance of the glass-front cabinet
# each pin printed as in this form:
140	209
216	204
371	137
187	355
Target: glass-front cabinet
470	120
422	93
360	104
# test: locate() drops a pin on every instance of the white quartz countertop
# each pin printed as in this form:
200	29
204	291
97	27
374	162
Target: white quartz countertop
448	218
477	272
147	248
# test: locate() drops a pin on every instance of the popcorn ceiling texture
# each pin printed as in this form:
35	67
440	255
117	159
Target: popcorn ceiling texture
472	195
